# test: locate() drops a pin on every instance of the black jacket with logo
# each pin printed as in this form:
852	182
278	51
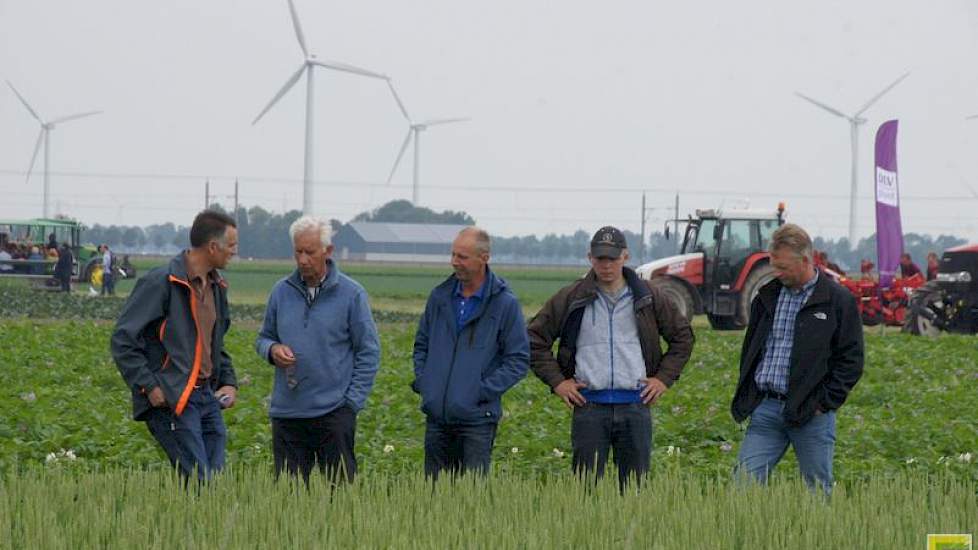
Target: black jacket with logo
826	356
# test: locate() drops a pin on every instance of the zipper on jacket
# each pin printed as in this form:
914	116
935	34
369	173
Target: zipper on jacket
451	366
198	347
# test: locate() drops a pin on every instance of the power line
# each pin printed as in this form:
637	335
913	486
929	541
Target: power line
197	179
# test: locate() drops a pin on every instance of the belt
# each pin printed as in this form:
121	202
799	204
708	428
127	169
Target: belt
774	395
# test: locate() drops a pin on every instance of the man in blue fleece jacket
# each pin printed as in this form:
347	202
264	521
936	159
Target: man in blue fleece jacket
471	346
320	334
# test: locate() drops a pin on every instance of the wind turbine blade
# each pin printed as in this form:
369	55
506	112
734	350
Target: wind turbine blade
24	101
288	85
400	154
347	68
37	147
437	121
298	29
881	94
74	117
835	112
397	98
972	117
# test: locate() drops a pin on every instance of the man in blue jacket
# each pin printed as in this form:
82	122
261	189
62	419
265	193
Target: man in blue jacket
471	346
320	334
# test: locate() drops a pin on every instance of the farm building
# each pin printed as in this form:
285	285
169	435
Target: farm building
395	242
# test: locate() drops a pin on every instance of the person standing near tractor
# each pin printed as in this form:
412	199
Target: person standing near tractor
907	267
63	269
609	368
801	356
108	278
932	265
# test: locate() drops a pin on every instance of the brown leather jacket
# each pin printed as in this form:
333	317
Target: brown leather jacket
560	319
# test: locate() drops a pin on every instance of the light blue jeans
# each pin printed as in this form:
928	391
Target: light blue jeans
768	437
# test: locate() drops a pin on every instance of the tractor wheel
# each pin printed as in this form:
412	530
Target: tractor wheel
722	322
926	305
759	276
677	294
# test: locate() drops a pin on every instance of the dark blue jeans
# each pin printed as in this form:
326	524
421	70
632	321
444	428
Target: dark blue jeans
458	448
193	441
768	437
627	429
108	283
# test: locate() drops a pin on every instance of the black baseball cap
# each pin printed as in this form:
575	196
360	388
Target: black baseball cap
608	242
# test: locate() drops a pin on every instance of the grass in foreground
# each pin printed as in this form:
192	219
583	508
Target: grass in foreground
914	411
246	508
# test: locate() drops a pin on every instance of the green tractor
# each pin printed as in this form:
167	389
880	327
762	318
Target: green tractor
39	232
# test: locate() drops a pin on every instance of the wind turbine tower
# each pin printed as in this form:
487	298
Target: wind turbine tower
309	64
855	120
414	134
45	137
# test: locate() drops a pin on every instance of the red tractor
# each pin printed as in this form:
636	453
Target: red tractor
722	264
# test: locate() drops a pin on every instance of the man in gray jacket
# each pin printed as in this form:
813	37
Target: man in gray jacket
168	344
609	366
320	334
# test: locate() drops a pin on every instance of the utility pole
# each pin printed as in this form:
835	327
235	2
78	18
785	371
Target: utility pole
641	249
207	193
675	224
236	202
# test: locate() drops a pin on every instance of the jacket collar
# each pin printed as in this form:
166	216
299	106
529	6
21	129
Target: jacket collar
178	269
332	277
820	294
589	285
493	285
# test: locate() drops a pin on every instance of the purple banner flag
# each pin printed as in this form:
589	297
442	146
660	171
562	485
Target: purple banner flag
889	231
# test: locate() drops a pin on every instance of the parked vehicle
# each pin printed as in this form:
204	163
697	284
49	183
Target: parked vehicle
949	302
722	264
38	232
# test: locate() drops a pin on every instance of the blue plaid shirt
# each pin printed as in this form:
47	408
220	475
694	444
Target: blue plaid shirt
772	374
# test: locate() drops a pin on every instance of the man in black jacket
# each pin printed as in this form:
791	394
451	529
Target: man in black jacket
63	269
168	344
802	355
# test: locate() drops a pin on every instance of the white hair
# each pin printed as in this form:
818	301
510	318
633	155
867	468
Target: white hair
312	223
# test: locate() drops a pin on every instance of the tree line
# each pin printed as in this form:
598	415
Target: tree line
264	234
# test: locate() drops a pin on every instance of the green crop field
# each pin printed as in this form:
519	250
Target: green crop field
390	286
76	471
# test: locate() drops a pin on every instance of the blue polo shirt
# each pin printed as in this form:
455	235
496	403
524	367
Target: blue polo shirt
464	307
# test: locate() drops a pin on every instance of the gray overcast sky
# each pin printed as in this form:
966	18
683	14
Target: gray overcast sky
603	99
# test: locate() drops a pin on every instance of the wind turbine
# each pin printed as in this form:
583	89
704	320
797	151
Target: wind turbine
854	121
414	133
308	66
45	136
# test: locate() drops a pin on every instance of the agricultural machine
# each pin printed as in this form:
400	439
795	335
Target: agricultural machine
721	266
35	232
949	302
881	305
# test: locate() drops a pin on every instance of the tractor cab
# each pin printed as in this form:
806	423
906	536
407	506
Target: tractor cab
722	264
